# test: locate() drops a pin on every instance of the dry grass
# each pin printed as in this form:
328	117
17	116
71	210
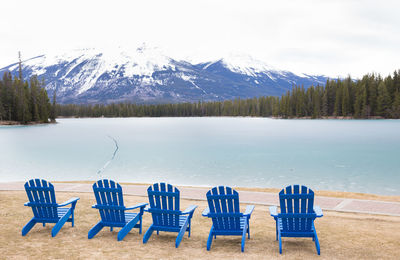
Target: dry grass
342	236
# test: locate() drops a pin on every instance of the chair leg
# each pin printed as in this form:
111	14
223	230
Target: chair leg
61	223
72	216
244	237
248	229
316	241
111	229
280	242
210	238
276	231
140	225
148	234
189	227
28	226
44	224
94	230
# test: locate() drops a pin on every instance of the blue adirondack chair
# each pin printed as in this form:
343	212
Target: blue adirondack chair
224	210
42	200
297	214
110	203
164	209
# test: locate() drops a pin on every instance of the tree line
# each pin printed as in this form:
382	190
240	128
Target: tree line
370	97
24	101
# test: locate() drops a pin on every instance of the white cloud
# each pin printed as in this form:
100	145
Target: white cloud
321	37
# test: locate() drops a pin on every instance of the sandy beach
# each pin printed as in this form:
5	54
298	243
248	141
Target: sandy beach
341	235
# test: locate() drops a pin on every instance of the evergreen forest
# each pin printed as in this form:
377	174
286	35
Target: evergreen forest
370	97
24	101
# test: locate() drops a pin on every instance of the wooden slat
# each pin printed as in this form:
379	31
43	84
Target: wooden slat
164	205
119	214
53	199
36	199
120	197
172	218
296	205
217	209
158	204
177	205
230	208
103	201
152	204
310	209
98	200
109	200
47	200
303	209
225	220
236	206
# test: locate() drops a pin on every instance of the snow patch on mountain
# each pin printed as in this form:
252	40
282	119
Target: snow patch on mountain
146	74
246	64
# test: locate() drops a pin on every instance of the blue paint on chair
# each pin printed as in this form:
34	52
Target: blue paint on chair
110	203
164	209
224	210
297	214
45	209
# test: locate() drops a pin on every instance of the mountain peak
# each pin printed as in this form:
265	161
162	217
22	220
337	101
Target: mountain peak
144	74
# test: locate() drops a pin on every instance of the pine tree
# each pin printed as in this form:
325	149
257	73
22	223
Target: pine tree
395	110
345	100
338	101
53	109
372	94
360	103
325	103
383	103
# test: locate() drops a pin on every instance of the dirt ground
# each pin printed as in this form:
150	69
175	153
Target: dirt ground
341	235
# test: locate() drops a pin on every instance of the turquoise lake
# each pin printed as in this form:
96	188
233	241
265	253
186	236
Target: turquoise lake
345	155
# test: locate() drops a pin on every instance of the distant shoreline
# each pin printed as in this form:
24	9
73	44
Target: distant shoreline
4	122
16	123
271	117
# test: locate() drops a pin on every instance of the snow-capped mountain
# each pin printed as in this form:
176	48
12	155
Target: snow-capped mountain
147	75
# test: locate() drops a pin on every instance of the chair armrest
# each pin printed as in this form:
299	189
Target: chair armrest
249	210
26	204
70	201
318	211
147	208
273	210
141	205
205	212
189	209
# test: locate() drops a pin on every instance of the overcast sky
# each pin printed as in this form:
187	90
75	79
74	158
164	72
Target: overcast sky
316	37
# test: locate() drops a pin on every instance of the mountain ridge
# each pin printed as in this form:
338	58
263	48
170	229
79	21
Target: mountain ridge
147	75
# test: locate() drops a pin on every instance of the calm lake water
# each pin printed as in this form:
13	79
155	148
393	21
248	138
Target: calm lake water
346	155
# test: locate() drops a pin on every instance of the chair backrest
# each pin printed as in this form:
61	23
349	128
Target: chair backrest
164	204
42	199
110	202
297	208
223	203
